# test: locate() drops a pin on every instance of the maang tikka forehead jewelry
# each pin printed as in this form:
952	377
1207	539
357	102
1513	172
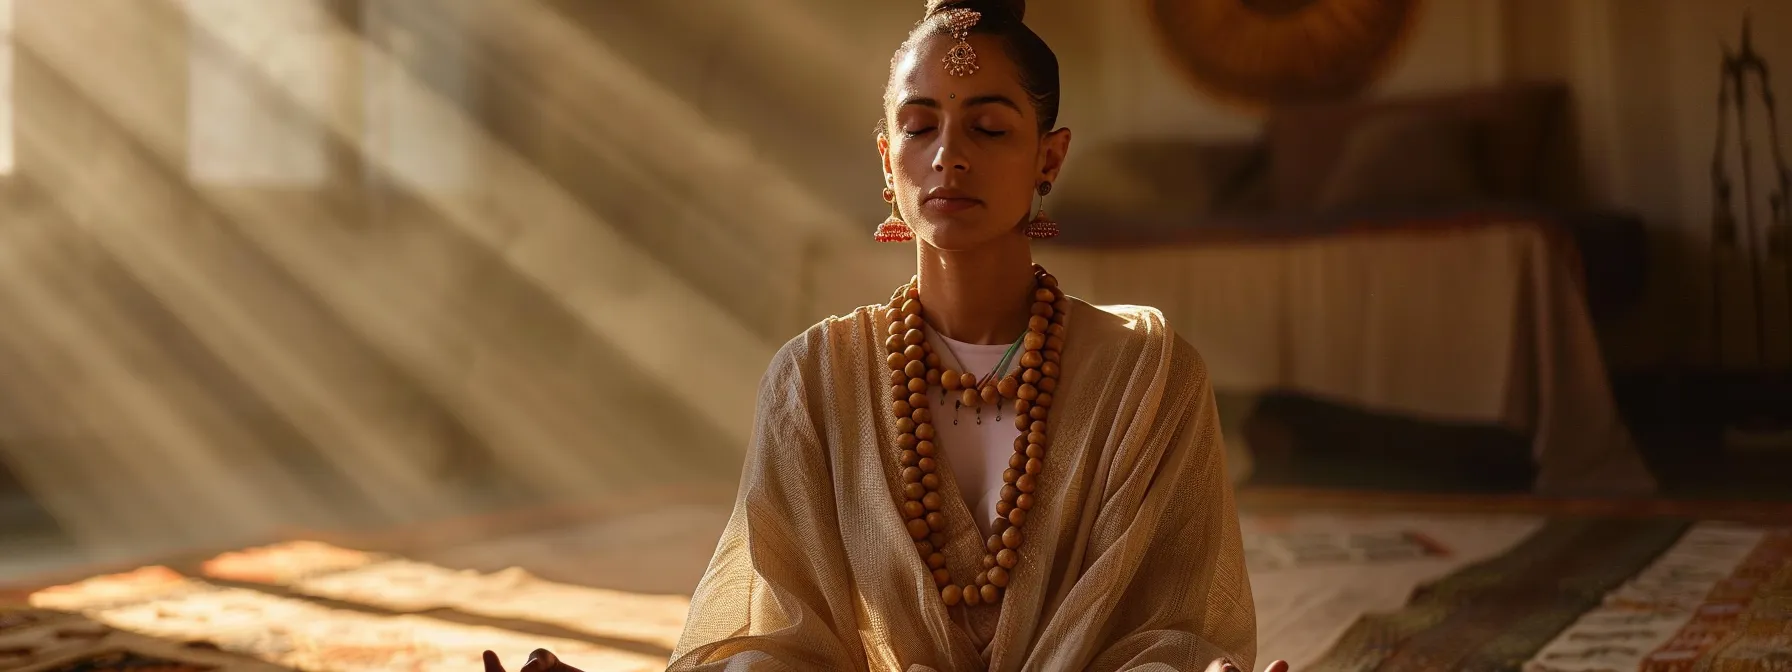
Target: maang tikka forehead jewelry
961	60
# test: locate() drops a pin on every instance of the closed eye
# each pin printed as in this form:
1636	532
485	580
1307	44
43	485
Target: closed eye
917	132
990	133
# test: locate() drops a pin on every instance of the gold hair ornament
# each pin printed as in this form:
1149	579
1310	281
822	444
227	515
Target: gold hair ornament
961	60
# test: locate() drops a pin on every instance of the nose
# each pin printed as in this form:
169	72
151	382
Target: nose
949	158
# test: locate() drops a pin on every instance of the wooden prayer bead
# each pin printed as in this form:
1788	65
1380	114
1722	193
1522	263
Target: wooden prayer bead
1020	443
1035	450
898	379
991	594
1034	466
1048	384
930	502
936	520
951	595
936	560
911	307
913	337
1021	422
914	369
1038	324
1017	460
1032	359
924	548
917	528
1054	330
905	425
896	360
972	596
938	539
1044	400
1009	493
1054	344
1026	483
917	386
1049	369
1031	376
912	321
1007	387
902	408
914	289
990	395
1061	306
1042	309
933	359
913	490
994	543
933	377
989	560
967	381
928	465
899	393
894	343
1025	391
1036	437
1044	294
998	575
1011	475
951	381
1012	538
1024	501
1021	406
896	329
1060	318
1002	508
925	431
999	525
1037	413
927	448
942	577
1033	340
921	416
913	352
916	400
910	458
908	441
912	509
1018	517
1007	558
982	580
1037	427
931	481
971	398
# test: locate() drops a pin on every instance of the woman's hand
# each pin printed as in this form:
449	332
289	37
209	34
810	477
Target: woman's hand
542	660
1218	665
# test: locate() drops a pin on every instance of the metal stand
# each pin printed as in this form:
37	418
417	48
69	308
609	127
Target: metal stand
1762	429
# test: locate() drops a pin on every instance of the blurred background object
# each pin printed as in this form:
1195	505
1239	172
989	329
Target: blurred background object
492	282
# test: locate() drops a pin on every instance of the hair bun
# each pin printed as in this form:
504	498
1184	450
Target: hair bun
1014	8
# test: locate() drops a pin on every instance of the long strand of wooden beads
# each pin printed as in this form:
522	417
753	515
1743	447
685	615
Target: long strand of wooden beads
914	368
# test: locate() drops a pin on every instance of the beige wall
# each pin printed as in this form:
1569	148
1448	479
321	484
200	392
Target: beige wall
1644	77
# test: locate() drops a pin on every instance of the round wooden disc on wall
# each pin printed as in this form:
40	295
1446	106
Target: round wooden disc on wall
1260	54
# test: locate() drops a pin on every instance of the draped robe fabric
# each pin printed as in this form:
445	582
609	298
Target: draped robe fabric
1132	558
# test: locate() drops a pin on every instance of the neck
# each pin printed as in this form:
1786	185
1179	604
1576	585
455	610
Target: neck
979	296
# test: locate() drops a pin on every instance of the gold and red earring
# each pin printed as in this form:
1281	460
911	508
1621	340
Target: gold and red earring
893	230
1042	226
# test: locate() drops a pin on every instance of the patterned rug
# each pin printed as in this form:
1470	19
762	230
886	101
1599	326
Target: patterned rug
1595	594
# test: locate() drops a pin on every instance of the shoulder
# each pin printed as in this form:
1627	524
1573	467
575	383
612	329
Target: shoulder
828	338
1133	335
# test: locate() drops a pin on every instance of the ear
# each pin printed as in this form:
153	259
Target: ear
883	151
1052	151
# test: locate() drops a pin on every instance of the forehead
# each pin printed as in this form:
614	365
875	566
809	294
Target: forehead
922	72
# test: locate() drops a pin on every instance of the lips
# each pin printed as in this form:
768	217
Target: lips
946	201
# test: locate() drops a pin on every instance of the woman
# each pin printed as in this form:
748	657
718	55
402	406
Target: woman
926	490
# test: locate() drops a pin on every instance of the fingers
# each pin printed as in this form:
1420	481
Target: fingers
541	660
491	663
1223	665
1278	666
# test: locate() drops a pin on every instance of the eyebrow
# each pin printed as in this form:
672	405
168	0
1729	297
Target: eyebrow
990	99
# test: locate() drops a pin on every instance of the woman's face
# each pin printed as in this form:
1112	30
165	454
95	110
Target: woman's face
964	154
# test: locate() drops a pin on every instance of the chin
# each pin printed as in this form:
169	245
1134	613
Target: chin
962	237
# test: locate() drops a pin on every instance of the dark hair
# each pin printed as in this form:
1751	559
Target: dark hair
1004	19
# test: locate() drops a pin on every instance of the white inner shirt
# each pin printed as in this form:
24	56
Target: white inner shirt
978	453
